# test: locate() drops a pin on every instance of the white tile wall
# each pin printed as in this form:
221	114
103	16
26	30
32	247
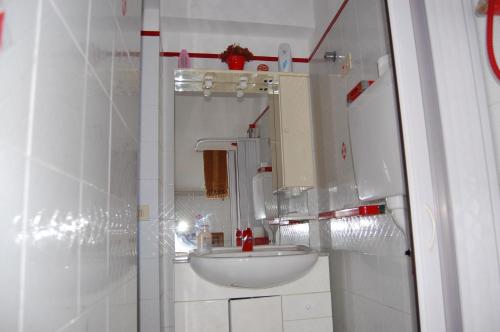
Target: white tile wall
68	164
371	292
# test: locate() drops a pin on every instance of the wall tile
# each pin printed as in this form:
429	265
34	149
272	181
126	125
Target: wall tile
396	321
11	206
149	126
368	315
101	41
338	273
93	246
168	312
149	155
391	280
126	83
52	241
150	67
96	136
76	15
59	97
149	282
371	35
123	160
97	319
362	275
150	315
149	238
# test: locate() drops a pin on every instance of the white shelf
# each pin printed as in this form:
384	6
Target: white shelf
227	81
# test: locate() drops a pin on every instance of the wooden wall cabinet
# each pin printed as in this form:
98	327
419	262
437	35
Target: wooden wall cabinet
291	134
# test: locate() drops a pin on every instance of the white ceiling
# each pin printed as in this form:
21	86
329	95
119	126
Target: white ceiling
209	26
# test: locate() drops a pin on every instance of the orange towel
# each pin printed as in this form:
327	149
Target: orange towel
215	168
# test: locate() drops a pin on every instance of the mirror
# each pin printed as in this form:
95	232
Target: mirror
215	125
227	164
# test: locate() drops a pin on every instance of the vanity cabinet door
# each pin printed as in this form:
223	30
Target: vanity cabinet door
261	314
305	306
206	316
292	135
309	325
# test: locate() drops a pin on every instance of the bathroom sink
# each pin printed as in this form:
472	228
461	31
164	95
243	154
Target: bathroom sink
266	266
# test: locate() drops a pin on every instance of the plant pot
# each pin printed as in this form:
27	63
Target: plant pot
236	62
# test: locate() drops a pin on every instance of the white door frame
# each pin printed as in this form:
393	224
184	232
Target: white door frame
452	180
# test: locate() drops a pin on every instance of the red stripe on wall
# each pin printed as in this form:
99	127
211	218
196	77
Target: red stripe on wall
192	55
217	56
149	33
328	29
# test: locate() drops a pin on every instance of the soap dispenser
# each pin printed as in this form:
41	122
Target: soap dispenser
204	239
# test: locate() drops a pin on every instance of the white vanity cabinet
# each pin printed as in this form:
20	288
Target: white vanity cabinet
298	306
291	135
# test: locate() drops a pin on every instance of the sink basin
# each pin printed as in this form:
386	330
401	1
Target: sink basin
266	266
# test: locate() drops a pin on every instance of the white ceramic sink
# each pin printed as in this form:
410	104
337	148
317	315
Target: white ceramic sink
265	267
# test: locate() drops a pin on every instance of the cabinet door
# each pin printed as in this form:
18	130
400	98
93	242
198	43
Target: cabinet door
305	306
206	316
309	325
256	314
296	132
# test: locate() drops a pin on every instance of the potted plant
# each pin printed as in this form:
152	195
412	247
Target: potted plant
235	56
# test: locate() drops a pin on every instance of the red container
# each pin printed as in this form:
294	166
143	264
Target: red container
239	236
236	62
247	240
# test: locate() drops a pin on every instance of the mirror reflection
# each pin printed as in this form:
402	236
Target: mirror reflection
230	152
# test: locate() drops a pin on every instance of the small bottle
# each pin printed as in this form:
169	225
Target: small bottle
204	240
184	60
247	240
239	236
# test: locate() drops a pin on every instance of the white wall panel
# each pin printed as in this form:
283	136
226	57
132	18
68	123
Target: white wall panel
68	228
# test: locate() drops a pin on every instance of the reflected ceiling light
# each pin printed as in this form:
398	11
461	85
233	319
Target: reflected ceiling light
182	226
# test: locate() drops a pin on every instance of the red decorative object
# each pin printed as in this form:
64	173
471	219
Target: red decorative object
2	16
247	240
364	210
261	241
235	56
236	62
493	9
239	236
265	169
358	90
262	67
370	210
